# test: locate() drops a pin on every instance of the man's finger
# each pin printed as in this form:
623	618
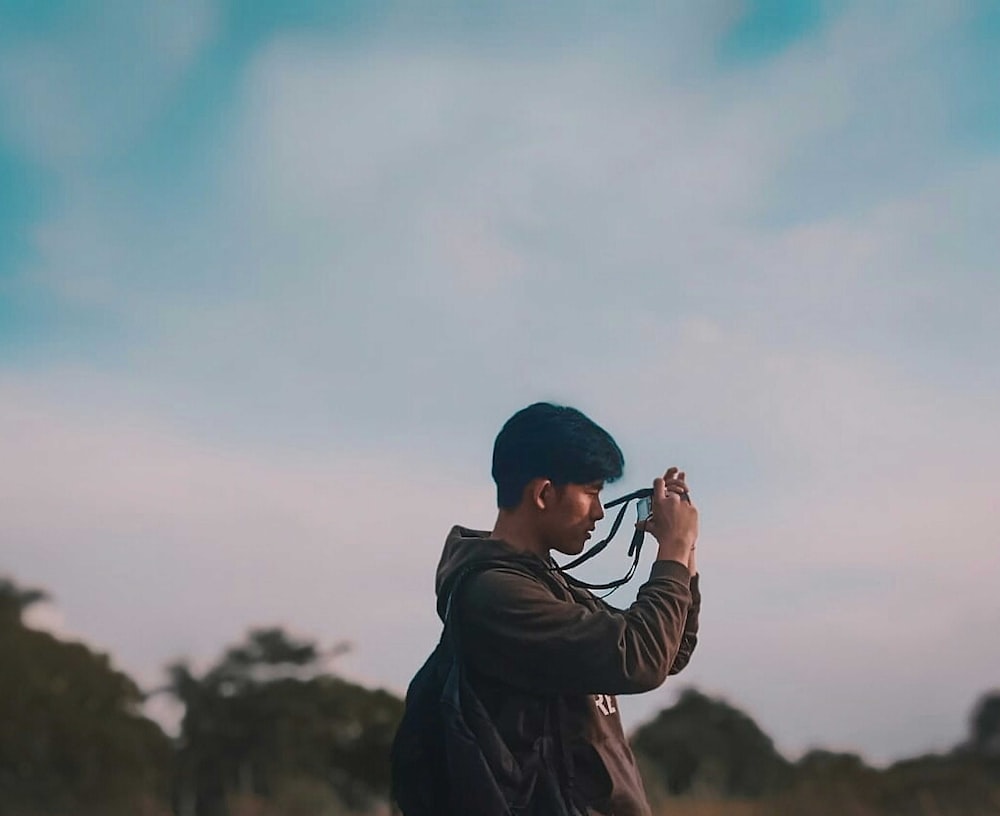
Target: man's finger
659	489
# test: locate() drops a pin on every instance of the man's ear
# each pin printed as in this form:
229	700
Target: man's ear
541	493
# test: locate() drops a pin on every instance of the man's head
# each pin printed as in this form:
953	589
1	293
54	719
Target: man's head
549	464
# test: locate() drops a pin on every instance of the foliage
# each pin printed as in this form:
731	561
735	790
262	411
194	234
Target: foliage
696	757
14	600
984	726
266	720
72	738
705	747
830	784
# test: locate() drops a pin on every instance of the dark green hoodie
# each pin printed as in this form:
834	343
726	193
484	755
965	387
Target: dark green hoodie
526	634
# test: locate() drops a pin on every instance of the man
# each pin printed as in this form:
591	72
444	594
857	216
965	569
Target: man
528	637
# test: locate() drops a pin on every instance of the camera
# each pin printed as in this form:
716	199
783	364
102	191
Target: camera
644	507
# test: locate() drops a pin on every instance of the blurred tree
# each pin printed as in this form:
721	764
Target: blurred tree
822	763
705	747
72	738
267	716
934	785
14	600
984	726
843	781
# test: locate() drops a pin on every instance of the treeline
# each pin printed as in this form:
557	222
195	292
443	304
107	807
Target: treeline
269	730
718	761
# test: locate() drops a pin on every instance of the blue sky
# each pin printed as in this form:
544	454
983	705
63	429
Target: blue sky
271	278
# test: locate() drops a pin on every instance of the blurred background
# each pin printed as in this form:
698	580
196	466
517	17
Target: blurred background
272	276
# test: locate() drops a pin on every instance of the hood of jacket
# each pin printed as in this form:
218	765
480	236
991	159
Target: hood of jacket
464	548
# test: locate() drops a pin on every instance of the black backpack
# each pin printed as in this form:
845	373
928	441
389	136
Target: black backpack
448	758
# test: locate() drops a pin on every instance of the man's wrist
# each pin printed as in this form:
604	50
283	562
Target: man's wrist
674	549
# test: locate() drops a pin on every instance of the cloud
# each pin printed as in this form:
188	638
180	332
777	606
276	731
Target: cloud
763	29
91	88
358	187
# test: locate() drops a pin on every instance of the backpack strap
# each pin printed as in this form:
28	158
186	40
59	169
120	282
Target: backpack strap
554	706
449	613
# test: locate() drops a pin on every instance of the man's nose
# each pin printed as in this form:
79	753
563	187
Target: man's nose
600	510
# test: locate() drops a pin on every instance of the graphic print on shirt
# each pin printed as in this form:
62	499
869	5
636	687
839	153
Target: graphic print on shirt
605	704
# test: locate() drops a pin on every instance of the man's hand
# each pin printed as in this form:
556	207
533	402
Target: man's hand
673	520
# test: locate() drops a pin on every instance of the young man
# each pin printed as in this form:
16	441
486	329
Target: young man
528	637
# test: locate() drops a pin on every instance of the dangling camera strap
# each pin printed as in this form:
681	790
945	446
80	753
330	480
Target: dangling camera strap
633	550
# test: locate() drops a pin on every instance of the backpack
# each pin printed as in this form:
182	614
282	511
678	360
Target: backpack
448	759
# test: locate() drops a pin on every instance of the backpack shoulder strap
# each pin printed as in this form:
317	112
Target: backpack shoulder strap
555	706
475	569
450	629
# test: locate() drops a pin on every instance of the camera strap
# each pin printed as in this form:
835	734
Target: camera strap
634	549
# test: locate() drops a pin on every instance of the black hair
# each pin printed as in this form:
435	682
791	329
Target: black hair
552	442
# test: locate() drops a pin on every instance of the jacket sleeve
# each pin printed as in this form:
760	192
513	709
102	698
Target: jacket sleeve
690	637
512	627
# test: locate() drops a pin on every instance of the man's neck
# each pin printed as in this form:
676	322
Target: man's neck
514	529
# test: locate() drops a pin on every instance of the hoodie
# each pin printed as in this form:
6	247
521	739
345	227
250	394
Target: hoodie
527	635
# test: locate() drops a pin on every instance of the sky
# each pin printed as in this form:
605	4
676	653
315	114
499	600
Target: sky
272	276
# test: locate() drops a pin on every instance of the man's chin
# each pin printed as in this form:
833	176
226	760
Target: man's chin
572	549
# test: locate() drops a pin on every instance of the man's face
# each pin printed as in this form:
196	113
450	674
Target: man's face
570	518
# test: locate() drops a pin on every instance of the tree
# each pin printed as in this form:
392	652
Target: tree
984	726
72	738
14	600
268	718
705	747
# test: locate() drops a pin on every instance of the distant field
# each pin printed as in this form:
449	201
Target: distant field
844	805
